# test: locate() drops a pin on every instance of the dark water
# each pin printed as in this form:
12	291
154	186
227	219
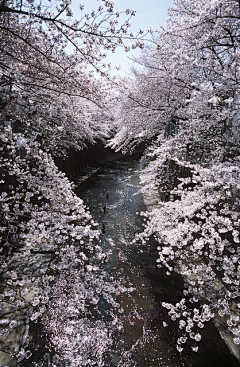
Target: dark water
148	337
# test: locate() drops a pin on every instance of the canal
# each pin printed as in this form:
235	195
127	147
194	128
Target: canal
108	313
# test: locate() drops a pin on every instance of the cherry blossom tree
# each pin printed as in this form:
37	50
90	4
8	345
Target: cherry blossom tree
51	100
44	87
186	100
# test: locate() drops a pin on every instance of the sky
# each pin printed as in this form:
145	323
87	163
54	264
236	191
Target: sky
149	13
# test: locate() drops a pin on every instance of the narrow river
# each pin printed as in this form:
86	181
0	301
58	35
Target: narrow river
124	324
148	337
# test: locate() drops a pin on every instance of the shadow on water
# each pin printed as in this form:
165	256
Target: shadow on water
148	336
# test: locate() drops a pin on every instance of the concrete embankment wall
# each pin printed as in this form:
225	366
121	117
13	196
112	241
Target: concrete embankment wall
80	164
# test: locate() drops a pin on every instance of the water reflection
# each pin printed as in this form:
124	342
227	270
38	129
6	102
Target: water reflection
147	337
